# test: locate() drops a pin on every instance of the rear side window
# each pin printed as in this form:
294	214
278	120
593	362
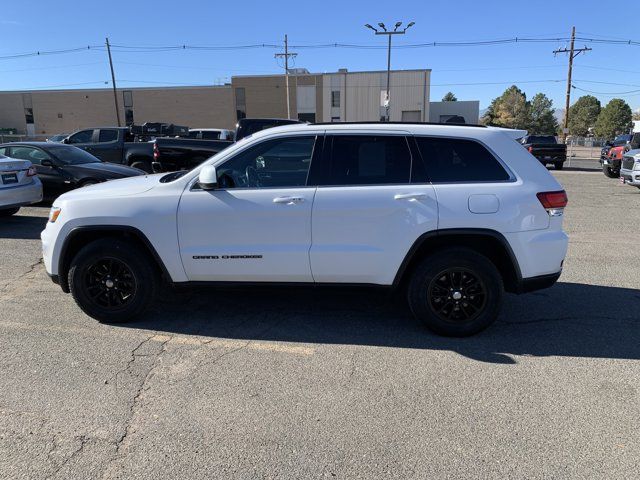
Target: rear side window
368	160
108	136
450	160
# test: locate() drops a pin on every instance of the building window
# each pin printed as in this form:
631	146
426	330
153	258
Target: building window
307	117
127	100
241	103
335	119
128	116
335	98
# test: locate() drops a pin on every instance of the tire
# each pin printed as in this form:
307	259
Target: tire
558	165
143	165
133	281
7	212
445	269
609	173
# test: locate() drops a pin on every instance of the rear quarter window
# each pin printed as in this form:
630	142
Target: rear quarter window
452	160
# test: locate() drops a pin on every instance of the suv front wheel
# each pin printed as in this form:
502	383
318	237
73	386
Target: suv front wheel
112	281
456	292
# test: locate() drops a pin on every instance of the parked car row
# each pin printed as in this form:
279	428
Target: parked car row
612	153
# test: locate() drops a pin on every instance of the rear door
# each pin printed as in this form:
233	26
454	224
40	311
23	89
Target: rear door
108	146
370	206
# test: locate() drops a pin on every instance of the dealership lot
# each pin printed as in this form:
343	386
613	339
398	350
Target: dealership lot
296	383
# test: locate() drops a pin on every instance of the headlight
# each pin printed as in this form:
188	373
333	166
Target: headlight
636	165
54	213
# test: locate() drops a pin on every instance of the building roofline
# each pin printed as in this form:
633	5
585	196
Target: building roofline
313	74
119	89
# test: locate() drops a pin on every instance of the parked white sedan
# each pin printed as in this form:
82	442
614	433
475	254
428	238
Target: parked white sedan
19	185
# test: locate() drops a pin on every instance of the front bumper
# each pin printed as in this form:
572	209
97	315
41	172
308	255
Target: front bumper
21	195
630	177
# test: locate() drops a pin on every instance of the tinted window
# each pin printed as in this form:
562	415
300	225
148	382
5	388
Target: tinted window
108	136
282	162
369	160
3	151
84	136
452	161
541	139
210	135
72	155
32	154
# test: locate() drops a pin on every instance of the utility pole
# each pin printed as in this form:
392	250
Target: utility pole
389	34
573	53
113	82
286	56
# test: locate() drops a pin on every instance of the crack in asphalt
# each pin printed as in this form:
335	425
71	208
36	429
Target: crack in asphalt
8	290
83	441
122	443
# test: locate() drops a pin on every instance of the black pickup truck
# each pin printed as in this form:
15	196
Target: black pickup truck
546	149
172	154
115	145
165	149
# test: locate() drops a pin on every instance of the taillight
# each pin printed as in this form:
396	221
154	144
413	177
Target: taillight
553	202
156	152
31	172
530	149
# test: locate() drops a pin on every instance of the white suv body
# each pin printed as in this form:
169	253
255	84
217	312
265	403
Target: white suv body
331	204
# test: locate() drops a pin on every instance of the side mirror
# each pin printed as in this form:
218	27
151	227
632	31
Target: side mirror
208	178
47	163
65	140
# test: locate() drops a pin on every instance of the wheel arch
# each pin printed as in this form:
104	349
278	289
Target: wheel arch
81	236
489	243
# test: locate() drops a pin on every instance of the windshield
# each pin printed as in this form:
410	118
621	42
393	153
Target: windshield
72	155
621	140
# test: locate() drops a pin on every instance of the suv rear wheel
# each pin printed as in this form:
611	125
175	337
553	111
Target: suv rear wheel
456	292
112	281
609	172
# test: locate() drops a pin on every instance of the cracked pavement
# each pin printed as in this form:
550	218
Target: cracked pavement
326	383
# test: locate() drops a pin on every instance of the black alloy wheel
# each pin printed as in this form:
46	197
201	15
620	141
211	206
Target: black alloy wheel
110	283
456	295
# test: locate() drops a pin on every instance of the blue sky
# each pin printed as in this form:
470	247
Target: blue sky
478	72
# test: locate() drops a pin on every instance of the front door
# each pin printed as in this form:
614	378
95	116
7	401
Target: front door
257	226
371	205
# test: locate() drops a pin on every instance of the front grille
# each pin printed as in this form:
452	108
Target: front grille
627	163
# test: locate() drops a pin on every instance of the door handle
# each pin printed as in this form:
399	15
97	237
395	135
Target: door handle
409	196
288	200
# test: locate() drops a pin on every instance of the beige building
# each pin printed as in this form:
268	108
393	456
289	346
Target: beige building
328	97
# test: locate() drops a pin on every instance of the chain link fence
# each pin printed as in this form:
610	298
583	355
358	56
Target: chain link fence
8	138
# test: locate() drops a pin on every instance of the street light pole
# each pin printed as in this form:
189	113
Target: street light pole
384	31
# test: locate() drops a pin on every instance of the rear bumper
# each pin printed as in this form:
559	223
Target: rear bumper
538	283
21	195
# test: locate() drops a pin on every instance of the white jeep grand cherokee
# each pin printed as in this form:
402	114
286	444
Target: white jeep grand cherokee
455	215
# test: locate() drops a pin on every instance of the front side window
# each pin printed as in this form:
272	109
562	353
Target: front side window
83	136
282	162
451	160
369	160
108	136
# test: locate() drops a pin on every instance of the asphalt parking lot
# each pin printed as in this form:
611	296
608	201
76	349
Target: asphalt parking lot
312	384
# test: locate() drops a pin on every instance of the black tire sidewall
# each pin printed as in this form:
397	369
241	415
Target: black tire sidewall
609	173
135	259
434	264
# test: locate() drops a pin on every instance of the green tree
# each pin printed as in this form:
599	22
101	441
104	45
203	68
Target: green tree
614	119
543	120
583	115
509	110
449	97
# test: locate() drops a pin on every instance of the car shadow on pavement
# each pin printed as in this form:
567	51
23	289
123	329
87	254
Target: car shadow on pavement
22	227
568	319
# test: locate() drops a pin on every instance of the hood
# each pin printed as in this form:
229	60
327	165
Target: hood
12	164
106	169
114	188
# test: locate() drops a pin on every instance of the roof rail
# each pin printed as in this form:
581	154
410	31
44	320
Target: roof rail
399	123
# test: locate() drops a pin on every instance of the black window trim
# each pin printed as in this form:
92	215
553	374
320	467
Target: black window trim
318	142
328	151
512	177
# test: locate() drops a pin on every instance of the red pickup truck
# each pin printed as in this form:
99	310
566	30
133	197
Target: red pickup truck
612	160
